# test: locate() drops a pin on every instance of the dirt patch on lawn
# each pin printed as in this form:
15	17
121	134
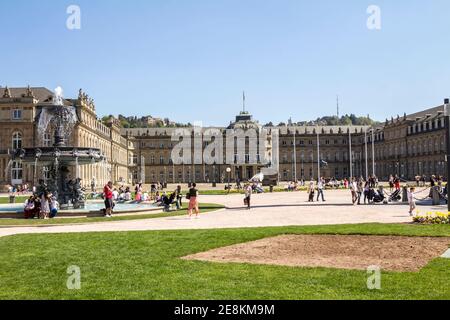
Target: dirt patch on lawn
391	253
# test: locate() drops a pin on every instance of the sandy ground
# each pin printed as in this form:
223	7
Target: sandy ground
390	253
275	209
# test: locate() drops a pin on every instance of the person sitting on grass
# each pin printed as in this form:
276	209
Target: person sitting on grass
29	208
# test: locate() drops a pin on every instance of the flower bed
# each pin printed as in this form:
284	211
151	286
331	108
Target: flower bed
432	218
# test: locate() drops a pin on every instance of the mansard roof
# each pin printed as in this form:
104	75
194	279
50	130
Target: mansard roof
321	129
42	94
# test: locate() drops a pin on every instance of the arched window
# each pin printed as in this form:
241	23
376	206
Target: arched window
17	140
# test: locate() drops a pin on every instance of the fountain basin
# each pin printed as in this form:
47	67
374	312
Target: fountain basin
66	155
92	209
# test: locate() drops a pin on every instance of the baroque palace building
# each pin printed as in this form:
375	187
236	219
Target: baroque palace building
407	145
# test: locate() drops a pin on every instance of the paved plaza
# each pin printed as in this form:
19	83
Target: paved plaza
270	209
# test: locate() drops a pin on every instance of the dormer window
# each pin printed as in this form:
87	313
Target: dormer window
17	114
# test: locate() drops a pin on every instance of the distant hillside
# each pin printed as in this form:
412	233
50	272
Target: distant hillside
151	122
145	122
345	120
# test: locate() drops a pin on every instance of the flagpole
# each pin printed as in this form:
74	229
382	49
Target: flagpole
350	149
367	160
295	156
373	152
318	155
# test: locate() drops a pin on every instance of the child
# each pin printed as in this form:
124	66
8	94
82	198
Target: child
54	206
412	203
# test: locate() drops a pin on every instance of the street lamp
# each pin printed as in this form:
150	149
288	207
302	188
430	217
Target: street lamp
447	131
229	176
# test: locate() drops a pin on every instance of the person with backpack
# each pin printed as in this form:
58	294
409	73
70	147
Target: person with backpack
192	196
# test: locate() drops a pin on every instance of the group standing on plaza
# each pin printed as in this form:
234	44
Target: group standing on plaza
156	196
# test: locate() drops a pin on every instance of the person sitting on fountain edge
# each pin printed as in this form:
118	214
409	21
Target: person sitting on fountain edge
108	194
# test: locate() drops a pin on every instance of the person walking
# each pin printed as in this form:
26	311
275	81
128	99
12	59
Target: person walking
360	189
193	200
367	192
178	197
354	190
411	201
108	195
248	195
320	187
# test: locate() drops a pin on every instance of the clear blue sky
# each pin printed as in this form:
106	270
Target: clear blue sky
190	59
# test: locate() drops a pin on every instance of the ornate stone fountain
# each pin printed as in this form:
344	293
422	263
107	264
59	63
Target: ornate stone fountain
58	158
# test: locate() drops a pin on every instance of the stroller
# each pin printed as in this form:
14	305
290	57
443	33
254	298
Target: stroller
395	196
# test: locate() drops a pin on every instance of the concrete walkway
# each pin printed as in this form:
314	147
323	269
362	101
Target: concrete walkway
276	209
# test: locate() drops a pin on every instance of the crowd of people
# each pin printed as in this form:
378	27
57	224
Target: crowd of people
43	207
363	191
156	195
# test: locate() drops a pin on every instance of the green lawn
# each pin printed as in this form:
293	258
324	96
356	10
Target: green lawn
19	199
147	265
204	207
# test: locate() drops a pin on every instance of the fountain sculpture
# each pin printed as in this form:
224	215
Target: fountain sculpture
58	158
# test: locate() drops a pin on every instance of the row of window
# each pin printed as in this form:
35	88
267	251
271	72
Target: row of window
426	126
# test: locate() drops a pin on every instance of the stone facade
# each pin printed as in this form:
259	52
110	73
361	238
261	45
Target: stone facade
407	145
18	109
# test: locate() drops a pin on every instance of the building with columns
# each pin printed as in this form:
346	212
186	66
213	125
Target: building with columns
407	145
